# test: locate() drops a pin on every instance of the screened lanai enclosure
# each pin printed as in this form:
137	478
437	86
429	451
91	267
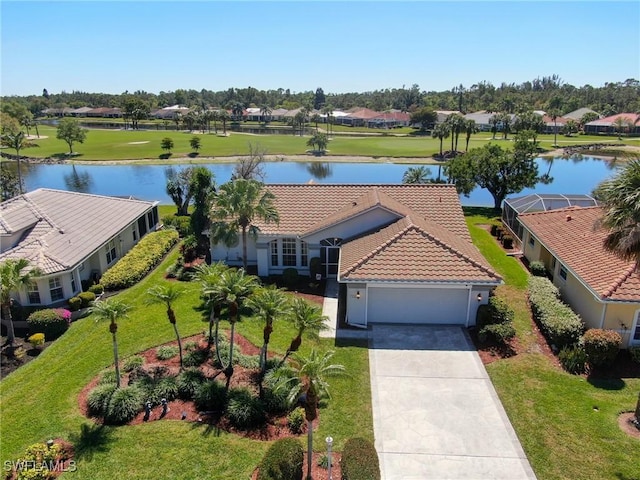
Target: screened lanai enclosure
539	202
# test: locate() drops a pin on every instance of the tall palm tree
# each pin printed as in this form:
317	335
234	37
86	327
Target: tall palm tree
620	198
215	116
208	276
619	125
237	110
112	310
15	274
232	289
416	175
17	141
269	303
470	128
554	114
315	118
494	120
328	111
307	378
237	206
440	131
307	320
265	111
167	295
224	118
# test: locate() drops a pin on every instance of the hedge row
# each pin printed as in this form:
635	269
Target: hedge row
359	460
140	260
283	461
557	321
52	322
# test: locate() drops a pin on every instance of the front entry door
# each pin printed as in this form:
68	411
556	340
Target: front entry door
330	256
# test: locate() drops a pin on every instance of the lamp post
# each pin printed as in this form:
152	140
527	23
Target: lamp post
329	441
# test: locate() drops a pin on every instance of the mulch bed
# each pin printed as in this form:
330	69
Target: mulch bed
317	472
625	422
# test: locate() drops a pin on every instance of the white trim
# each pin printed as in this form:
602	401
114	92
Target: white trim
469	306
604	314
636	324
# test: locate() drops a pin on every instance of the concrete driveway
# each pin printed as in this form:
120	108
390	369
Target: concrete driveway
435	412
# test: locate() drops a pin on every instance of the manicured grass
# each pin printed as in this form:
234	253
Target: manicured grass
131	145
40	400
552	411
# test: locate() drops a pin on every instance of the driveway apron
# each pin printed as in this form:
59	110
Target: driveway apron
436	414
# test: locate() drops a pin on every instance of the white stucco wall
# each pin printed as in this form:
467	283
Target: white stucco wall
356	307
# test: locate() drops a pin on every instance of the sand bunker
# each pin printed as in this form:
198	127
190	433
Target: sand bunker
137	143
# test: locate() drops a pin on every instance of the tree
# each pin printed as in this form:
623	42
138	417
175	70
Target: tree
134	109
166	144
470	128
15	274
208	276
201	188
269	303
224	118
505	119
315	118
425	116
554	114
319	140
236	207
251	166
307	378
179	188
167	295
619	126
195	143
308	320
70	131
328	111
10	184
494	121
237	110
499	171
586	118
570	127
265	111
319	99
8	124
416	175
529	120
441	131
17	141
112	310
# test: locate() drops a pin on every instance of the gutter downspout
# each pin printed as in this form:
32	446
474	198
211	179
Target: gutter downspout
604	313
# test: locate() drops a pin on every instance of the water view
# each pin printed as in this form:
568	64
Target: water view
148	181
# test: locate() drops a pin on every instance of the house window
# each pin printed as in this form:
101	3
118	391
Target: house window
563	272
303	254
553	264
289	252
55	288
274	252
73	283
135	234
111	251
150	220
532	242
34	293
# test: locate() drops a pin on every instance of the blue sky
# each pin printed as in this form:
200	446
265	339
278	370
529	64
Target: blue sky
340	46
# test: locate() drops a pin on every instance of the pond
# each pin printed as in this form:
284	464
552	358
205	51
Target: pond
148	181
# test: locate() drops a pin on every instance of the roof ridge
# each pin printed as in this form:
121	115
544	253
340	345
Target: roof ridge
620	280
571	208
83	194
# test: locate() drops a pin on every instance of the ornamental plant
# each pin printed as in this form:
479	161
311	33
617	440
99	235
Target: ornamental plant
601	346
36	339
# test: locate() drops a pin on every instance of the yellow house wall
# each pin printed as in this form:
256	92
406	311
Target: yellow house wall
579	298
618	314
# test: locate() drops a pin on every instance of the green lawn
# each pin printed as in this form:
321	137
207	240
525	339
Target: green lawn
40	400
553	412
135	145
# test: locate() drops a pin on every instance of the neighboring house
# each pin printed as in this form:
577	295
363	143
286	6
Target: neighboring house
71	237
390	119
80	112
482	120
402	253
552	126
577	115
601	288
631	124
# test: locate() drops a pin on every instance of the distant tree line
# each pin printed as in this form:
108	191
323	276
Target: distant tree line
540	93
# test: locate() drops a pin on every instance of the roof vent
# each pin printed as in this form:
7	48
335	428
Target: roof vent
355	203
568	218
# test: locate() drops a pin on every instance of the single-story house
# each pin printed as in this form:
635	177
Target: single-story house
70	237
579	113
401	253
603	289
608	125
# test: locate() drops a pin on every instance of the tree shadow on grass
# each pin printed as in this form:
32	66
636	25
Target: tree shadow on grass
66	156
482	211
606	383
91	439
208	426
164	156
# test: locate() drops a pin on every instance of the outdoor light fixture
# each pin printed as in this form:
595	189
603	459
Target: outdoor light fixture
329	441
358	295
479	297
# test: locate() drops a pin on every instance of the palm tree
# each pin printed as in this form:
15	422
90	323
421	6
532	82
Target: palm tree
224	118
440	131
470	128
315	118
505	118
208	276
215	116
236	206
237	110
269	303
265	111
416	175
320	140
554	114
619	125
307	378
307	319
15	274
17	141
620	198
112	310
328	111
232	289
167	295
494	120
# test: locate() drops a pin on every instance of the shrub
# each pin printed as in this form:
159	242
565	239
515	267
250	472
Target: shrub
483	316
315	267
573	359
35	463
166	352
98	399
132	363
189	248
195	357
210	396
537	268
295	420
188	383
190	345
557	321
107	377
75	303
180	223
499	233
124	405
283	460
166	388
290	277
87	298
36	339
244	409
247	361
140	260
634	352
359	460
601	346
497	332
507	241
494	230
274	401
50	321
96	289
500	311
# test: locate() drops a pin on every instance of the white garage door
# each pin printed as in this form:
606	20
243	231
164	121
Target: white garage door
417	305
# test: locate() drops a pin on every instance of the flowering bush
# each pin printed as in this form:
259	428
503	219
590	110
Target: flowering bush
52	322
36	339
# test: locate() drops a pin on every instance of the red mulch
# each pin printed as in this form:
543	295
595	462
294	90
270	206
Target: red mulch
625	423
64	463
317	472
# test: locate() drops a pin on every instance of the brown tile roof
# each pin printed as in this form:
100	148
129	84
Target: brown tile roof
304	206
570	235
414	249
